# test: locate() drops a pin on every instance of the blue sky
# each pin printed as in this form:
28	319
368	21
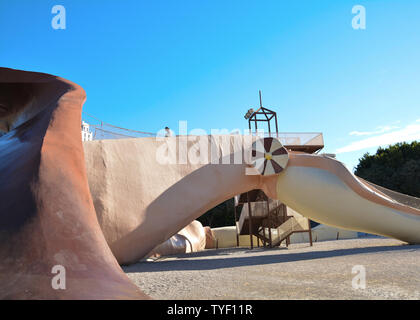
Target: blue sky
148	64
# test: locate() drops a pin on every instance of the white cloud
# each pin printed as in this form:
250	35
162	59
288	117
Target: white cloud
408	133
369	133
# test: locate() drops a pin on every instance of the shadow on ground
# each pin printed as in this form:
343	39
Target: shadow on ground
231	262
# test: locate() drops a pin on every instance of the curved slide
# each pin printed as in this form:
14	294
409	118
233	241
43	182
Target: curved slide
174	194
324	190
192	238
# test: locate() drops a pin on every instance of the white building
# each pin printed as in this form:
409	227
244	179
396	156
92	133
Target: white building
86	134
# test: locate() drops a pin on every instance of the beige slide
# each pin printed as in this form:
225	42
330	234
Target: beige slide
142	201
324	190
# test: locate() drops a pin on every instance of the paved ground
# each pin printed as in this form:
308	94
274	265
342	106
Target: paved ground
323	271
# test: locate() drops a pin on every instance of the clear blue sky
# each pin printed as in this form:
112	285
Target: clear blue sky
148	64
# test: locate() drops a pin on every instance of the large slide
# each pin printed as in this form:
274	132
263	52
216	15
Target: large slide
324	190
173	194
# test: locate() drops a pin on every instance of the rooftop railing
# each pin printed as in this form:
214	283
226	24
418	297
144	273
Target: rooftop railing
297	138
103	131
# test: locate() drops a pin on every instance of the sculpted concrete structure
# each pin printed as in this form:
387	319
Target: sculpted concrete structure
192	238
47	216
323	189
173	195
141	201
142	198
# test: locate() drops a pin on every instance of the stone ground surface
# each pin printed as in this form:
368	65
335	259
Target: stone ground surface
323	271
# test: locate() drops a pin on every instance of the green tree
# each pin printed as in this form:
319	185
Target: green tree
220	216
396	168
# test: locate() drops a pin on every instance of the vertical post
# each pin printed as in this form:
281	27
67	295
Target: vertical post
258	238
260	99
264	236
250	221
277	126
236	225
285	218
269	228
310	232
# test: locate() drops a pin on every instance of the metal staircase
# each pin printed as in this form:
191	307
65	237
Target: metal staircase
267	219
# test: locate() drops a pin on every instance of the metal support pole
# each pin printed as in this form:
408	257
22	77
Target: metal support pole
269	228
250	221
236	226
310	232
277	127
285	218
264	242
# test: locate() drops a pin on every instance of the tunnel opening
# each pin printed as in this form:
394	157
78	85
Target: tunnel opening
14	100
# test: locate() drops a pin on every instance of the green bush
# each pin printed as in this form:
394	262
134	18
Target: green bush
396	168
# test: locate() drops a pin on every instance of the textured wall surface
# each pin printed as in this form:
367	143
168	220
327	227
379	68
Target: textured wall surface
47	217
